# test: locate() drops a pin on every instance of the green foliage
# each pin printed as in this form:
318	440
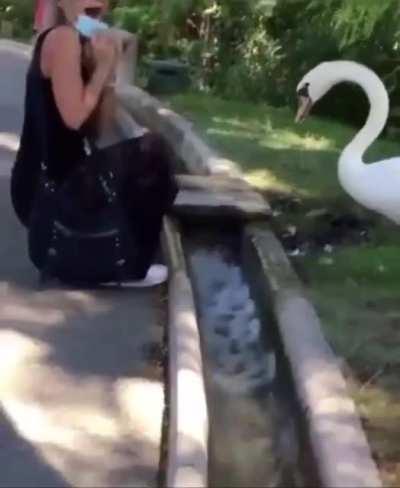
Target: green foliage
254	76
20	14
139	18
314	31
356	20
259	49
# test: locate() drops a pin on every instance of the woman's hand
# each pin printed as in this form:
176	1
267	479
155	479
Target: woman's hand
105	51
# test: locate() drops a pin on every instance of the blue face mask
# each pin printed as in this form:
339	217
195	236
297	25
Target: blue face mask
88	26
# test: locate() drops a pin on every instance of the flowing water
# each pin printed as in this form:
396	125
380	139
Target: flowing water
253	436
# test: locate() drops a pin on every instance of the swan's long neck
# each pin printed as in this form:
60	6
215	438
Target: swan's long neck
378	114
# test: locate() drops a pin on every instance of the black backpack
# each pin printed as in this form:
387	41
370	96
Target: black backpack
79	232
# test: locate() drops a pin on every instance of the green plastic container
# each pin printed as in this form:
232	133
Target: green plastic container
167	77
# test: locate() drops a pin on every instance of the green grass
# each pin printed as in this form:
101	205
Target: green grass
275	153
356	288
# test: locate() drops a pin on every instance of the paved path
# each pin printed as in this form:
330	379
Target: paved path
80	400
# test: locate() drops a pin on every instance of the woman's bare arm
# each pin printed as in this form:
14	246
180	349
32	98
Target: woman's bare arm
61	62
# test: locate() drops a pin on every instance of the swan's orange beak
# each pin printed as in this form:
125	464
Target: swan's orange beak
304	108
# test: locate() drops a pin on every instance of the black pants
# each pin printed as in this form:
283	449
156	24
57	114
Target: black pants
143	168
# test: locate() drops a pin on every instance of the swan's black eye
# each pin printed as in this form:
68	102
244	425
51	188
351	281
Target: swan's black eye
303	91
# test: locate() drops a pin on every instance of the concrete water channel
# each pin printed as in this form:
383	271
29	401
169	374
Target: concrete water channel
259	401
253	426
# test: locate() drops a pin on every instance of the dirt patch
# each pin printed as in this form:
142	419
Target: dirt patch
304	229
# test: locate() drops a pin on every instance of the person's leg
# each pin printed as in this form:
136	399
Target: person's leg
143	168
151	190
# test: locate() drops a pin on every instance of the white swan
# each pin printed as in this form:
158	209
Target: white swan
376	186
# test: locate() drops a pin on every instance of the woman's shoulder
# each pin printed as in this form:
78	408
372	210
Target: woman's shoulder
63	37
60	43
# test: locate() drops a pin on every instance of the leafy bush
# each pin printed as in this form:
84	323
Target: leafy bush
20	14
361	30
253	75
141	19
259	50
146	20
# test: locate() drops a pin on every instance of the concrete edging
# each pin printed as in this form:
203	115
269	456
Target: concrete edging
339	445
187	463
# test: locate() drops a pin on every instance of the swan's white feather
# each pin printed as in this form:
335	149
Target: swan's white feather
380	185
376	186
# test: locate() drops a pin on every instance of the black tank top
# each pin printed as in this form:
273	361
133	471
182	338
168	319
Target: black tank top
45	138
59	146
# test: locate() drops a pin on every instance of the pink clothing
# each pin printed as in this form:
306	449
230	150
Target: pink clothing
43	14
39	7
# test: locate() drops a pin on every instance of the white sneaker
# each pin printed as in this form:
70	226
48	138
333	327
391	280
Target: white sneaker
156	275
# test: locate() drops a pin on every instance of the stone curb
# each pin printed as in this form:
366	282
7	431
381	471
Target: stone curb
187	464
339	445
22	48
188	146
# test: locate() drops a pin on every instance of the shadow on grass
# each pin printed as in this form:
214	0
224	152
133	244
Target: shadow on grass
274	151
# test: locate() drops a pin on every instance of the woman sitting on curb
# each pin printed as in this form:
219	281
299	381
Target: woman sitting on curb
61	97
